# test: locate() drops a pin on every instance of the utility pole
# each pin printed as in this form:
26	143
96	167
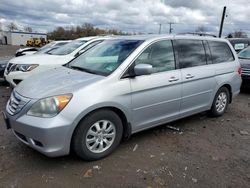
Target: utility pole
170	27
159	28
222	20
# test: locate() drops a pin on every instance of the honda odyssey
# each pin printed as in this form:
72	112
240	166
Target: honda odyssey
119	87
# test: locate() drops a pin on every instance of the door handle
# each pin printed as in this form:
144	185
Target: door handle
173	79
188	76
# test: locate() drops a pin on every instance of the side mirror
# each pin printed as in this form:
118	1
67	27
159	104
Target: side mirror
143	69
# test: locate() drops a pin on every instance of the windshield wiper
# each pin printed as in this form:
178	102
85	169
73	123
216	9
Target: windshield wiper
82	69
243	57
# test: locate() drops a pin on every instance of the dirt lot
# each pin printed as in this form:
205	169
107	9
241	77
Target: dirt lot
8	50
206	152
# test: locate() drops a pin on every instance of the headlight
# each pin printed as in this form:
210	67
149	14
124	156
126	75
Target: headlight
49	107
24	67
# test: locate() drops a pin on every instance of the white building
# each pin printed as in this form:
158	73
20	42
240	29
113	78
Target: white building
19	37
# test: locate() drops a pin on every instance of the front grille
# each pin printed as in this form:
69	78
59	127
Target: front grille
16	103
246	71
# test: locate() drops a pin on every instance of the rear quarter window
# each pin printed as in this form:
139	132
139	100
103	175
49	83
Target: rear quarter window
220	52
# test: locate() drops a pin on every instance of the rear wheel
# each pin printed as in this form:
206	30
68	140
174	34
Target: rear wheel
97	135
220	102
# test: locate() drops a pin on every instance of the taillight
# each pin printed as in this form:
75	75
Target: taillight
239	71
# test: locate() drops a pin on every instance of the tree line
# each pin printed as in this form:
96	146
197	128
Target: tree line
85	30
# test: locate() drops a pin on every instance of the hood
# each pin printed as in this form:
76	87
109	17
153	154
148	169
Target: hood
41	59
57	81
25	49
245	63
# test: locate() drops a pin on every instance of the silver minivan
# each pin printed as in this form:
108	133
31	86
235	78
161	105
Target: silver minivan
119	87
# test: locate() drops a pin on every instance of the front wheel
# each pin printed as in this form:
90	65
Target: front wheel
220	102
97	135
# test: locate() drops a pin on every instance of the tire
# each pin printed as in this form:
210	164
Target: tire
220	103
88	130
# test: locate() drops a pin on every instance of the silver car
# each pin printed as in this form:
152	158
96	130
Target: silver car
122	86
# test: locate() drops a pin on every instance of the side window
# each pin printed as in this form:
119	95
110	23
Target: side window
191	53
220	52
160	55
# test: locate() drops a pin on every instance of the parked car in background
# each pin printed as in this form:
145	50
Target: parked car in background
239	43
3	64
121	86
244	57
45	49
26	51
20	68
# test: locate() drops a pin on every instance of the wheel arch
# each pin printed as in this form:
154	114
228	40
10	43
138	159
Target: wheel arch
127	130
228	86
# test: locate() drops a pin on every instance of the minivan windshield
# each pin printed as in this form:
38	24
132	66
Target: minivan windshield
68	48
244	54
105	57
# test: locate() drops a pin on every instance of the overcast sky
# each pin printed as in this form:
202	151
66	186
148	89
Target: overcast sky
128	15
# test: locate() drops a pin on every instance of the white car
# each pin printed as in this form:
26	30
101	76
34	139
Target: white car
20	68
47	48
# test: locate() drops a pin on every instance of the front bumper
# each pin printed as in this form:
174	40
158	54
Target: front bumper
49	136
14	78
245	79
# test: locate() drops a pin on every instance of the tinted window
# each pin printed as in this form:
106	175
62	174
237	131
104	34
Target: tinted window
191	53
244	54
160	55
220	52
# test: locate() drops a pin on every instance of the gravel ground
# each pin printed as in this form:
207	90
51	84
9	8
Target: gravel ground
8	51
205	152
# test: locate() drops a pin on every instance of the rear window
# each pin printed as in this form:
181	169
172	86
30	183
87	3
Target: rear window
220	52
191	53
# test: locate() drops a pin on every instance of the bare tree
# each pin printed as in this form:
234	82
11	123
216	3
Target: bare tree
237	34
12	26
84	30
28	29
240	34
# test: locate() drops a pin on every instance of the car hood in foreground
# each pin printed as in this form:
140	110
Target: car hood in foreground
55	82
43	59
245	63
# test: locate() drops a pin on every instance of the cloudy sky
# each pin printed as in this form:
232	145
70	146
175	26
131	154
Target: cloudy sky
128	15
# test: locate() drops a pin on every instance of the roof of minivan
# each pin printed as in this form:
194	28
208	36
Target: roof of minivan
165	36
87	38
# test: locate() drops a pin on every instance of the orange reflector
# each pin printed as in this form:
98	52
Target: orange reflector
63	101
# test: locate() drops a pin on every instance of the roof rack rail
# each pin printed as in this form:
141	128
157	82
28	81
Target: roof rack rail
197	33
